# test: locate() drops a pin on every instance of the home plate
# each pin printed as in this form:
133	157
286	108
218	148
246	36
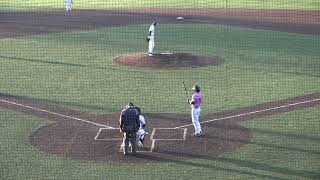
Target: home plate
179	18
139	149
166	53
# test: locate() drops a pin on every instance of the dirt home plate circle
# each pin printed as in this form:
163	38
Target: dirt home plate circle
164	142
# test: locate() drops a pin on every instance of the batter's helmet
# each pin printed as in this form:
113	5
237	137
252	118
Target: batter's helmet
196	88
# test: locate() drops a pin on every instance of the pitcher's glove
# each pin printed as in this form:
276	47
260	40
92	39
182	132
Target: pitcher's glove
147	39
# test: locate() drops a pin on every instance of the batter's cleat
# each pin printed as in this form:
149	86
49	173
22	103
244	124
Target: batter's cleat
150	54
146	133
199	134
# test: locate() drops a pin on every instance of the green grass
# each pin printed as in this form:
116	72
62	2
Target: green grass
289	144
76	70
87	4
284	146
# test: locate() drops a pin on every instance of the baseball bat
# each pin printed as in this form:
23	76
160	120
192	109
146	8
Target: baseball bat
185	90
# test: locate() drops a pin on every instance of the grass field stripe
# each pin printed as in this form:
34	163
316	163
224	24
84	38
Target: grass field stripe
253	112
57	114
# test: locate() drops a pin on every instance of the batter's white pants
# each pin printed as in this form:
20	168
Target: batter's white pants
151	45
195	113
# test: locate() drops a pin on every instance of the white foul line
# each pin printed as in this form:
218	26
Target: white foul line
57	114
253	112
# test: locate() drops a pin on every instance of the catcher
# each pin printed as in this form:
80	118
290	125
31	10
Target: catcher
141	132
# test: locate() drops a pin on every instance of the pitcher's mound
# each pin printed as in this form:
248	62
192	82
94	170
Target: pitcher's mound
166	60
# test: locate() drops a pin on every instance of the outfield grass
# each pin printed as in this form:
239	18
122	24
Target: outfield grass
75	69
87	4
284	146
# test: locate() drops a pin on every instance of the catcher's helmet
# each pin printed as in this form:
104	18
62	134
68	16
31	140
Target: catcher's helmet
138	109
196	88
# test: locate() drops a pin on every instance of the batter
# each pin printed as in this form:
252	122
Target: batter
195	103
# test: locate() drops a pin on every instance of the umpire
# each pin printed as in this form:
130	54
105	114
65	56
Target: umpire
129	125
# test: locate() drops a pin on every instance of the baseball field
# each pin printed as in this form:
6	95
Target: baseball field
66	76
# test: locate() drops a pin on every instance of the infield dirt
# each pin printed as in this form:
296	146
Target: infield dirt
76	139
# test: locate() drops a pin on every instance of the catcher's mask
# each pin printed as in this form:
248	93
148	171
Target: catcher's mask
130	104
138	110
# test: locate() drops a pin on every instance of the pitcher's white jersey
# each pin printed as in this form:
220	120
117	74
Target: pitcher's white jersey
151	31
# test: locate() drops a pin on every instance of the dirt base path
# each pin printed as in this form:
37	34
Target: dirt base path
32	23
84	136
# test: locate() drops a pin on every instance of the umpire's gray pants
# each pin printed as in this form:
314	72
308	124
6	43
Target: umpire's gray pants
129	137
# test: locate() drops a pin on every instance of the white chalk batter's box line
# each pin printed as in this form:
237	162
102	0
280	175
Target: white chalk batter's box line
154	140
96	138
183	137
